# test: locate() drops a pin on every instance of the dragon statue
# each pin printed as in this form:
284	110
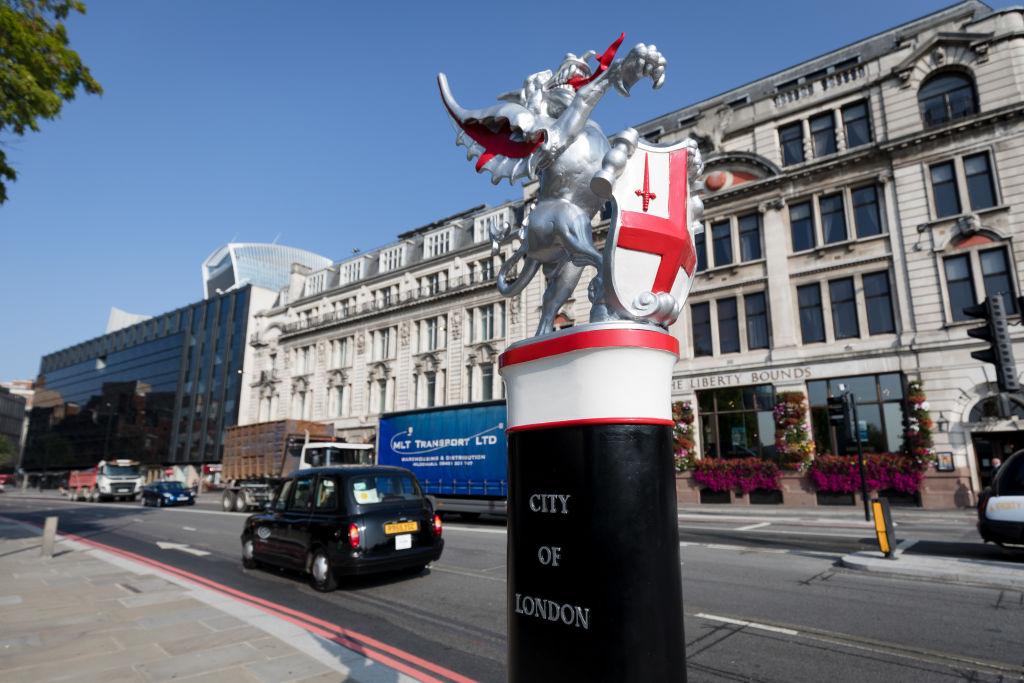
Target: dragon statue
544	132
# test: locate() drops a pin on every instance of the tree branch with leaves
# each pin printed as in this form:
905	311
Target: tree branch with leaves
39	72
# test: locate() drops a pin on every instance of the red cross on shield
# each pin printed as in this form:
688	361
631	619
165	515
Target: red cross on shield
650	251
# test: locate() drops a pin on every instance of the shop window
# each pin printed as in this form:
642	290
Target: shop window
750	237
823	134
700	315
878	301
866	215
844	308
947	96
728	326
856	124
791	138
738	422
880	412
833	218
812	321
801	225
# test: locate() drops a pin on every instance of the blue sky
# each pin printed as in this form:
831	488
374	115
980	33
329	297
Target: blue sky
319	124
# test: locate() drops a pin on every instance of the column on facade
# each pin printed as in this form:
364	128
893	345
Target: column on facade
899	261
840	130
776	248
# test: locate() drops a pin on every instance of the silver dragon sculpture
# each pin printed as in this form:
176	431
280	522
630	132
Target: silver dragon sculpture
544	132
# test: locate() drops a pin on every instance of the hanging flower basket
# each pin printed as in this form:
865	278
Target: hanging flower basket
917	438
682	435
793	442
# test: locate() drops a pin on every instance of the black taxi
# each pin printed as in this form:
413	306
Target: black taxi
336	521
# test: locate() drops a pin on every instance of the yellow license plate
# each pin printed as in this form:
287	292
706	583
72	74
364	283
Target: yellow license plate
401	527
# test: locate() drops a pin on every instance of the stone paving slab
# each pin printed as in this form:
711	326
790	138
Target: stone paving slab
967	571
89	616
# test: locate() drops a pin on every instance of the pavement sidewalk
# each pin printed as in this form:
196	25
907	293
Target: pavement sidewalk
961	570
850	518
90	615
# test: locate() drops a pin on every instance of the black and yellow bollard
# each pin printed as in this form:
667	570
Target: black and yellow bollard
883	527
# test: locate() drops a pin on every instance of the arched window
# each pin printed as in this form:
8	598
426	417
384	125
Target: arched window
946	96
989	408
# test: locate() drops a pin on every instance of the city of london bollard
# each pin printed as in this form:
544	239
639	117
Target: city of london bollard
594	590
594	587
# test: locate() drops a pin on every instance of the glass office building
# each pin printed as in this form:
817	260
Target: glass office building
264	265
160	391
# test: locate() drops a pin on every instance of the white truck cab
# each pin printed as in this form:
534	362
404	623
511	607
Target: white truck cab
330	454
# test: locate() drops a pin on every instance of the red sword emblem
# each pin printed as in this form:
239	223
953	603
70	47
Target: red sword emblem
669	237
646	193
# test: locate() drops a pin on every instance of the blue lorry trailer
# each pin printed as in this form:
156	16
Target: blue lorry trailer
459	454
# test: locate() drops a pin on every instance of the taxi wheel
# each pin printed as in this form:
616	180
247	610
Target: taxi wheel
249	560
321	573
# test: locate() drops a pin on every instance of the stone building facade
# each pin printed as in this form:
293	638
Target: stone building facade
854	204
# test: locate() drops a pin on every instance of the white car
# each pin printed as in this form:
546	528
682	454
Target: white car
1001	505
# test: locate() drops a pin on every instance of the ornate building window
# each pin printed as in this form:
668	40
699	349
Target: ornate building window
791	138
392	259
856	124
437	243
979	269
947	96
823	134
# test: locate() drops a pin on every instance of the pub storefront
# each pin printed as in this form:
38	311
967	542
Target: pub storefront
741	418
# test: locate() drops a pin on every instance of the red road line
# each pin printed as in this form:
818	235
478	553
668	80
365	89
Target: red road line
346	637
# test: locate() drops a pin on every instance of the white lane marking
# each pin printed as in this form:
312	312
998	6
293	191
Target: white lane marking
183	547
188	528
473	575
749	624
753	526
766	551
452	527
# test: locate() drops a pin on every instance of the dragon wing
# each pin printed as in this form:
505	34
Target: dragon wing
501	137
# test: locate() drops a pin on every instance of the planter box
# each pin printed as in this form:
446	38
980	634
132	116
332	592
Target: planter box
765	497
709	497
832	498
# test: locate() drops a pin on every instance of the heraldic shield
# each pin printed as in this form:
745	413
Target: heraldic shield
649	257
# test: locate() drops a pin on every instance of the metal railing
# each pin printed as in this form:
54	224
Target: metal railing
376	306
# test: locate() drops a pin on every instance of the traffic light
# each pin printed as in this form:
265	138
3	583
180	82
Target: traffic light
840	416
997	333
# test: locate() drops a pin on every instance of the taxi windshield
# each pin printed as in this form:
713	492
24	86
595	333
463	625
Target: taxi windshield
384	488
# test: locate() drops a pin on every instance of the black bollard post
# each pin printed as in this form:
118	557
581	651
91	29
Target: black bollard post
594	590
